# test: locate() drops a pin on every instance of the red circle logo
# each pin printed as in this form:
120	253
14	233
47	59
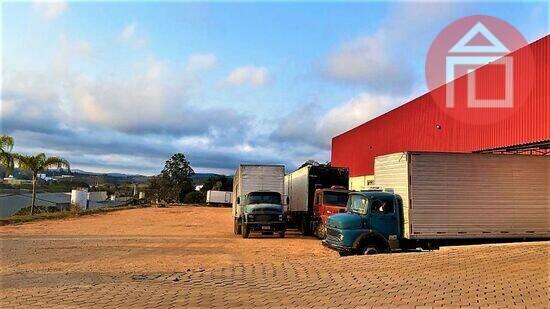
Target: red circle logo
479	70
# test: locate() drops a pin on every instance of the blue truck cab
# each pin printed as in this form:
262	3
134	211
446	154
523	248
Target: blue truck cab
371	224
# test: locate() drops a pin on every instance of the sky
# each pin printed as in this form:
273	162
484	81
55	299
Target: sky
121	86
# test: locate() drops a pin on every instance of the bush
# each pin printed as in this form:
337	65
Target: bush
194	197
37	209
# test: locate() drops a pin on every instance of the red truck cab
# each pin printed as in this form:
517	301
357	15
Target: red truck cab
327	202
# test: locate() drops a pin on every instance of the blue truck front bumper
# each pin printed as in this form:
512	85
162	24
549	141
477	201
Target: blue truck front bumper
335	246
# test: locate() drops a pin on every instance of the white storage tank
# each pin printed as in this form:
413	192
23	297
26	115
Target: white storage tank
79	197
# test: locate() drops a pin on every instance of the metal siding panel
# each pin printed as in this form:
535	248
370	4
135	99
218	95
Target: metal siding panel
411	127
392	172
261	178
479	196
361	182
297	186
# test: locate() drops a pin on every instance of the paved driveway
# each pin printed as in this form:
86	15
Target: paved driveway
504	275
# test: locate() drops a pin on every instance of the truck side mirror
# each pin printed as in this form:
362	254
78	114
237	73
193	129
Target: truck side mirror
287	200
238	199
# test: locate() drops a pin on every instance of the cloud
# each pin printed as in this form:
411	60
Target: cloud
249	75
307	126
369	60
50	9
383	59
133	36
201	62
354	112
131	121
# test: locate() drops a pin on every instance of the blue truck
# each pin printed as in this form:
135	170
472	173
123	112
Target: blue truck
370	225
434	198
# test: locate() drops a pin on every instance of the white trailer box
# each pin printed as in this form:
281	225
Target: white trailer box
450	195
218	197
250	178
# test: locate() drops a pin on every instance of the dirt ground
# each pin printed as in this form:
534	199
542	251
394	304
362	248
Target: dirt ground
149	239
188	257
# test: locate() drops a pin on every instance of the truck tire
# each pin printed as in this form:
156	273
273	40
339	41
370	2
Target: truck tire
321	230
368	251
371	243
282	234
245	231
237	227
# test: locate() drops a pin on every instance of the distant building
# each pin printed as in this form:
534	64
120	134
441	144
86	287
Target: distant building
14	181
12	203
44	177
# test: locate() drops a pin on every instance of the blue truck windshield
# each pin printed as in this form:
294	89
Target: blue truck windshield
357	203
264	198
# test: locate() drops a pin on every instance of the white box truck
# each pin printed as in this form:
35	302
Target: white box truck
314	192
214	197
433	197
258	200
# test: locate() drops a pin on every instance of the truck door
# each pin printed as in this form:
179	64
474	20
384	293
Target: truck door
383	216
317	211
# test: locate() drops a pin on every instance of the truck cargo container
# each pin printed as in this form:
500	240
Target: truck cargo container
258	200
435	197
218	197
314	192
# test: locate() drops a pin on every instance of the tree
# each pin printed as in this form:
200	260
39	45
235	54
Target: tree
157	189
37	164
6	157
194	197
220	183
175	179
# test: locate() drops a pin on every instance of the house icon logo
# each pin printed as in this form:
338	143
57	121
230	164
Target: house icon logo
478	47
479	70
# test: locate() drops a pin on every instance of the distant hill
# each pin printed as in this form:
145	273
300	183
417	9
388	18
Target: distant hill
93	178
200	178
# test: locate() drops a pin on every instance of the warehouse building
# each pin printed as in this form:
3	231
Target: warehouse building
423	125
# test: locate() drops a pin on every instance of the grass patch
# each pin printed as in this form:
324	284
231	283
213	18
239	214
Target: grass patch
64	214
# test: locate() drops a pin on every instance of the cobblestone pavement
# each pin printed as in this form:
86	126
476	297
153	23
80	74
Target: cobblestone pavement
503	275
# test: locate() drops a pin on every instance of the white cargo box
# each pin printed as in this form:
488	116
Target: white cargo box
250	178
450	195
218	197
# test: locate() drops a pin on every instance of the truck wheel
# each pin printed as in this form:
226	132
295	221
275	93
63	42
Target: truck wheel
321	231
281	234
237	227
245	231
368	251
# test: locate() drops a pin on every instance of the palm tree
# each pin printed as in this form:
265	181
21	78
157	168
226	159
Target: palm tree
37	164
6	158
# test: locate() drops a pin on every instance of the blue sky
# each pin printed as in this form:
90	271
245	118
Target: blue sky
120	86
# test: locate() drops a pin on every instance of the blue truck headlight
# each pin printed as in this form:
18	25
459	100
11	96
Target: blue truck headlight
341	237
280	217
250	217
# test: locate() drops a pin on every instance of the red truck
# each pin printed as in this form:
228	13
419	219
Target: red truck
314	192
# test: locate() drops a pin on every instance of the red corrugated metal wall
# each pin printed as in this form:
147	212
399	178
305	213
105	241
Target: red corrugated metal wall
413	126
